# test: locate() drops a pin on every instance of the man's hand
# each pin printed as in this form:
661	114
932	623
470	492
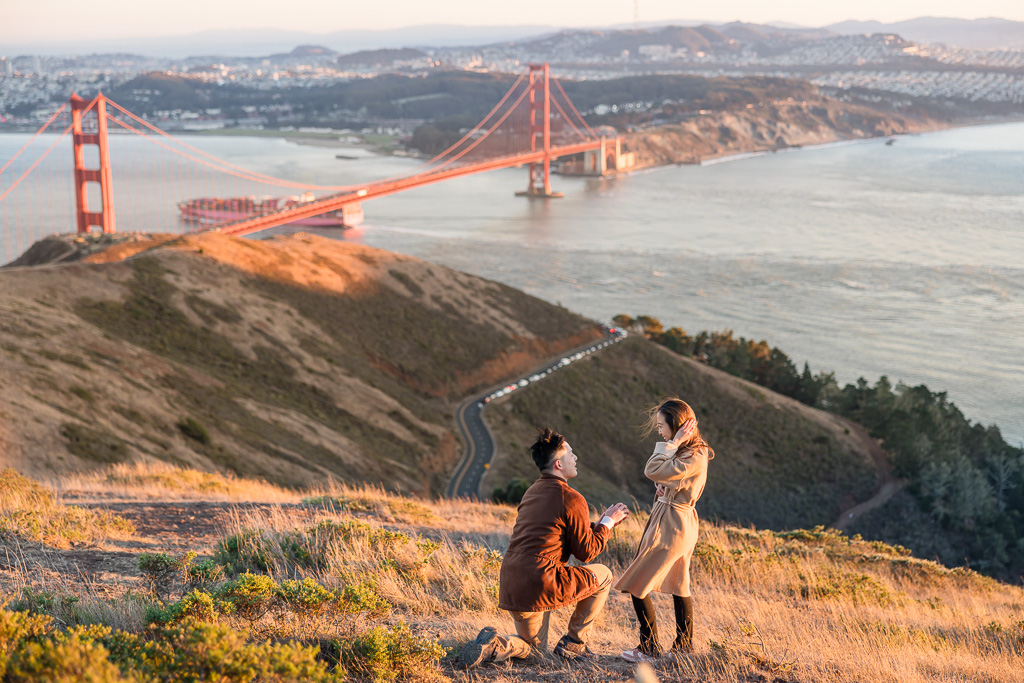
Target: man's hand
616	513
659	490
683	434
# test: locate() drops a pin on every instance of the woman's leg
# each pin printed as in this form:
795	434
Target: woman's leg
648	625
684	623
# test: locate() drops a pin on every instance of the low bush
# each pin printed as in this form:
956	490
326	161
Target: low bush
192	428
512	492
197	649
63	658
836	583
17	628
260	606
386	654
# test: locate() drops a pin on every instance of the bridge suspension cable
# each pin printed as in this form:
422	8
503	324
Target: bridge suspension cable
576	111
227	166
43	156
33	138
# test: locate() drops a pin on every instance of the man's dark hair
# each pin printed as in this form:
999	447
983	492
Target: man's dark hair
546	447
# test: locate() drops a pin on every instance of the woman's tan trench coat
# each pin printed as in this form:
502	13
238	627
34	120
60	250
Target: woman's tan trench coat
662	561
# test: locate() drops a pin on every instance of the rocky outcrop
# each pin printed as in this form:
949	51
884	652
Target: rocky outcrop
767	127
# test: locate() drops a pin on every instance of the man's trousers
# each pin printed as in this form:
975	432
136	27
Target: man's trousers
532	627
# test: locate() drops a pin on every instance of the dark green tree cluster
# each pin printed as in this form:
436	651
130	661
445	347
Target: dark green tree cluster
964	477
512	492
756	361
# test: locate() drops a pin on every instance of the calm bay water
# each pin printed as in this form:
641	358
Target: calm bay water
866	259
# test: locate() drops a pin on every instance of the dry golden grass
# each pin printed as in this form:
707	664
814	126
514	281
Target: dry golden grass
804	606
161	481
810	605
31	512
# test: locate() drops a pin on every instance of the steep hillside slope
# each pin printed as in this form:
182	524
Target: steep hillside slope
292	359
779	463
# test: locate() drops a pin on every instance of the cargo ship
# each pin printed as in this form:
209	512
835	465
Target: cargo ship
215	210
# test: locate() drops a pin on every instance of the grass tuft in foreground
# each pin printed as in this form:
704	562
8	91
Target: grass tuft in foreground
32	512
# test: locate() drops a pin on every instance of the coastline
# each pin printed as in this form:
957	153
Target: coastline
726	156
388	145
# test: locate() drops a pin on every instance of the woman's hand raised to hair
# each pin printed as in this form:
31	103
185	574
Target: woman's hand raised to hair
683	435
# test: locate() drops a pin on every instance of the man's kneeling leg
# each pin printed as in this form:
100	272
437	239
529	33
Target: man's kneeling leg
574	644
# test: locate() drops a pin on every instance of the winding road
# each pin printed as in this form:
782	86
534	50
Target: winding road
480	447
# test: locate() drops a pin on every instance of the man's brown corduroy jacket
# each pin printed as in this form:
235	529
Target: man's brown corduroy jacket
553	523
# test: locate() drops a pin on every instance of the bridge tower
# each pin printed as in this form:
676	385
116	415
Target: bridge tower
82	135
540	126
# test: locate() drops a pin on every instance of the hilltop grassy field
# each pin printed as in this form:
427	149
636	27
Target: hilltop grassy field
182	575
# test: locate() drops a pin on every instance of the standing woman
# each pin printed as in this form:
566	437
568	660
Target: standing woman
679	468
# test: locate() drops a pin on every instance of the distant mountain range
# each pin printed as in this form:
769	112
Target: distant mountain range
990	33
981	34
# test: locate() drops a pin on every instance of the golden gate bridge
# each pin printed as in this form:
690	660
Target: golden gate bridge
533	124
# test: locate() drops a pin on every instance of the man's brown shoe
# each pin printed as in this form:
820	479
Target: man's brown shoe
479	650
570	649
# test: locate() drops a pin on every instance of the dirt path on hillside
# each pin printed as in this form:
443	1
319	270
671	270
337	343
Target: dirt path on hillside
888	484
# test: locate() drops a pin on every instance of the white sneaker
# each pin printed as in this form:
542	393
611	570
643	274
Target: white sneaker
636	656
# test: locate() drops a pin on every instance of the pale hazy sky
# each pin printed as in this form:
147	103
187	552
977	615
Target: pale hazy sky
22	21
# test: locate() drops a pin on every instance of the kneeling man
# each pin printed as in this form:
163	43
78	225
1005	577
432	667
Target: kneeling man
553	523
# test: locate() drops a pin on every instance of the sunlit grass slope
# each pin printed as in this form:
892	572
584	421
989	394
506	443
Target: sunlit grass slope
295	358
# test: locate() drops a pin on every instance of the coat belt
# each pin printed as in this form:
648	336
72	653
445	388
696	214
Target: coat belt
682	507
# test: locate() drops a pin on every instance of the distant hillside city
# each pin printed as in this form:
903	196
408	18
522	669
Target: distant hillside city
281	90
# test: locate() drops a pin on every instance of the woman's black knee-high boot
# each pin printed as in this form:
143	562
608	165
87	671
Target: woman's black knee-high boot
684	623
648	625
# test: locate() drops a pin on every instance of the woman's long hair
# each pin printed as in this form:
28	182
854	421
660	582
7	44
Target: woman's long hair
677	412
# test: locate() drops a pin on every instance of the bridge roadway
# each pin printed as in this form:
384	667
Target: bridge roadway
373	190
480	446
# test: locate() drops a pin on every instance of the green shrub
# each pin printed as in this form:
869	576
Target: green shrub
160	570
16	628
305	596
191	428
197	606
341	503
82	393
312	548
196	651
250	596
204	573
263	607
385	654
243	551
834	583
512	493
63	659
34	601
